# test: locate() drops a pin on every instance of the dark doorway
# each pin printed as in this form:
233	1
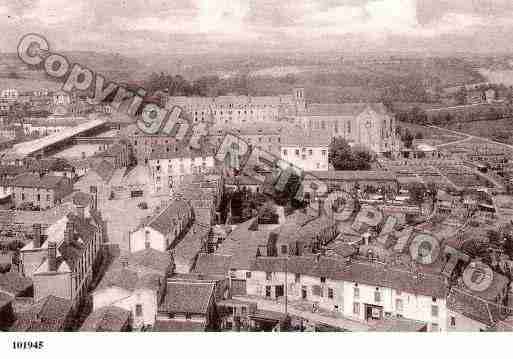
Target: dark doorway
303	292
279	291
373	312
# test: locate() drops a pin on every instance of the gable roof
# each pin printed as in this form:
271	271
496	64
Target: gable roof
151	258
187	297
163	221
213	264
47	315
29	180
106	319
190	245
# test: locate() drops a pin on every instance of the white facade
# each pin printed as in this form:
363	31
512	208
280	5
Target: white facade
307	158
147	237
142	302
167	173
360	304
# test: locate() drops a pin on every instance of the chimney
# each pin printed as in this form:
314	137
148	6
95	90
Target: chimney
81	212
37	235
69	232
52	256
94	192
320	210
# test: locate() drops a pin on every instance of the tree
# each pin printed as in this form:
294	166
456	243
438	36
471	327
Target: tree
343	157
417	193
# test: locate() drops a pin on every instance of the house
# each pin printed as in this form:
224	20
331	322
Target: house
186	251
136	283
170	164
306	150
48	314
108	319
164	229
470	310
73	252
44	191
98	176
363	291
118	155
244	183
187	305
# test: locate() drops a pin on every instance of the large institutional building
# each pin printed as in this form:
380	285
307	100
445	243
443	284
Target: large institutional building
368	125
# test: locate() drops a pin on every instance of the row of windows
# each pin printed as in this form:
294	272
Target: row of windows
310	153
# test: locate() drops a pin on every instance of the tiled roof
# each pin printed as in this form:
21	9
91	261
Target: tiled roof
297	137
398	325
47	315
242	244
34	181
151	258
189	247
106	319
354	175
14	283
213	264
178	326
122	278
359	272
473	307
187	297
163	222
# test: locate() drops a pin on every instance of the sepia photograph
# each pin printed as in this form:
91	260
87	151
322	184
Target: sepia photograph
277	166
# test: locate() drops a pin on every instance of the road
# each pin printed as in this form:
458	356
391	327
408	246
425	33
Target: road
343	323
468	138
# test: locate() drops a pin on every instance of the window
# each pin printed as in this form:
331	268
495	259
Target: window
377	296
356	308
399	305
38	197
284	152
434	327
330	293
138	310
268	275
267	290
188	316
283	249
297	277
323	153
453	321
434	310
297	153
23	196
248	275
323	279
310	152
356	292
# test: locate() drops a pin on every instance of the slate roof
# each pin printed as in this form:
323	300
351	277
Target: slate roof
354	175
106	319
187	297
151	258
47	315
178	326
28	180
242	244
163	222
473	307
191	243
359	272
213	264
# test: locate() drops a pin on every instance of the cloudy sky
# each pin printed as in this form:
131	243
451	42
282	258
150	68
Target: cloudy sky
188	26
